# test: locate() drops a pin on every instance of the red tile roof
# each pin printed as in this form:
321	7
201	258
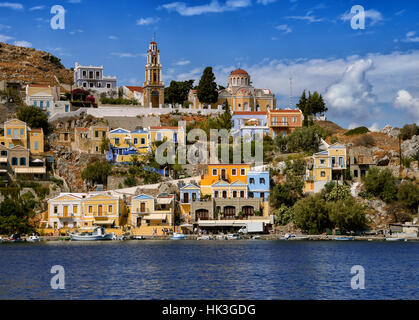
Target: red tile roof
159	128
239	72
82	129
138	89
250	113
286	110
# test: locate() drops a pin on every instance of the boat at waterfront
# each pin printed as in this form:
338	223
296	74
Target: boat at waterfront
293	237
98	234
344	238
34	238
178	236
206	237
15	238
396	239
234	237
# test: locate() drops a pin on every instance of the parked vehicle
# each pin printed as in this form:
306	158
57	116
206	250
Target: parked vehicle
253	227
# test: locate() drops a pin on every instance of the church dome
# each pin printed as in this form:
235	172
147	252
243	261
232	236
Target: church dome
239	72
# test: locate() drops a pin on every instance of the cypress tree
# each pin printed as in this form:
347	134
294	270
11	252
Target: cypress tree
207	88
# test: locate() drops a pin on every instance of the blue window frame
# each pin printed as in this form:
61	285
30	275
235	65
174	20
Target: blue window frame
14	161
16	133
4	153
116	140
67	107
47	104
175	137
22	131
135	141
36	145
41	104
9	132
22	161
35	103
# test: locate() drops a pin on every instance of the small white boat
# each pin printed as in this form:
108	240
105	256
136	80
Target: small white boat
396	239
255	238
206	237
178	236
345	238
220	237
138	238
287	236
34	238
97	235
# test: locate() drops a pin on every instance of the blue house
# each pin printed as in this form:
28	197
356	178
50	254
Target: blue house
258	184
190	193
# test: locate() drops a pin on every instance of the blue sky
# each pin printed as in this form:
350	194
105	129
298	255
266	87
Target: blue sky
368	77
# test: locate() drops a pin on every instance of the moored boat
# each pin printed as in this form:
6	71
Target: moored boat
344	238
97	235
34	238
15	238
234	237
396	239
178	236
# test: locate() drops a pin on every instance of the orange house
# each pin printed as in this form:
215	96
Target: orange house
226	172
284	121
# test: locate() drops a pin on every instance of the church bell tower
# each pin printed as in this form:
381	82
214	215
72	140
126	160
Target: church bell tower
153	85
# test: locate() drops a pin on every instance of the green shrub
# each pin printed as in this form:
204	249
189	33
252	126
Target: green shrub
408	194
97	172
408	131
130	181
357	131
311	214
381	184
284	215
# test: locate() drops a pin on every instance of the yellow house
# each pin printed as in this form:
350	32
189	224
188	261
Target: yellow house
328	166
149	213
17	133
172	134
83	210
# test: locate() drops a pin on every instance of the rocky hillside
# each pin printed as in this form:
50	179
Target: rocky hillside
31	66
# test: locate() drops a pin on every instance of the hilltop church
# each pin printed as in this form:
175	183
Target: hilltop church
240	95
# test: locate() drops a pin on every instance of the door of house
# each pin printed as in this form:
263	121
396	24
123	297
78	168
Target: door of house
186	197
142	207
65	211
100	209
229	212
139	222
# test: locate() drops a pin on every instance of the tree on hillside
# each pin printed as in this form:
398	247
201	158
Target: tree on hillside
34	118
311	106
225	119
381	183
207	88
178	91
97	172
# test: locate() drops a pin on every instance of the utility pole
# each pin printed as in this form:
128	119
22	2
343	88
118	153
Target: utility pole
290	92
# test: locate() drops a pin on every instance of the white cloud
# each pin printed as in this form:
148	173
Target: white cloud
11	5
37	8
4	38
411	37
392	72
373	15
375	127
25	44
308	17
213	7
182	63
352	94
147	21
265	2
113	38
127	55
405	101
284	28
74	1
